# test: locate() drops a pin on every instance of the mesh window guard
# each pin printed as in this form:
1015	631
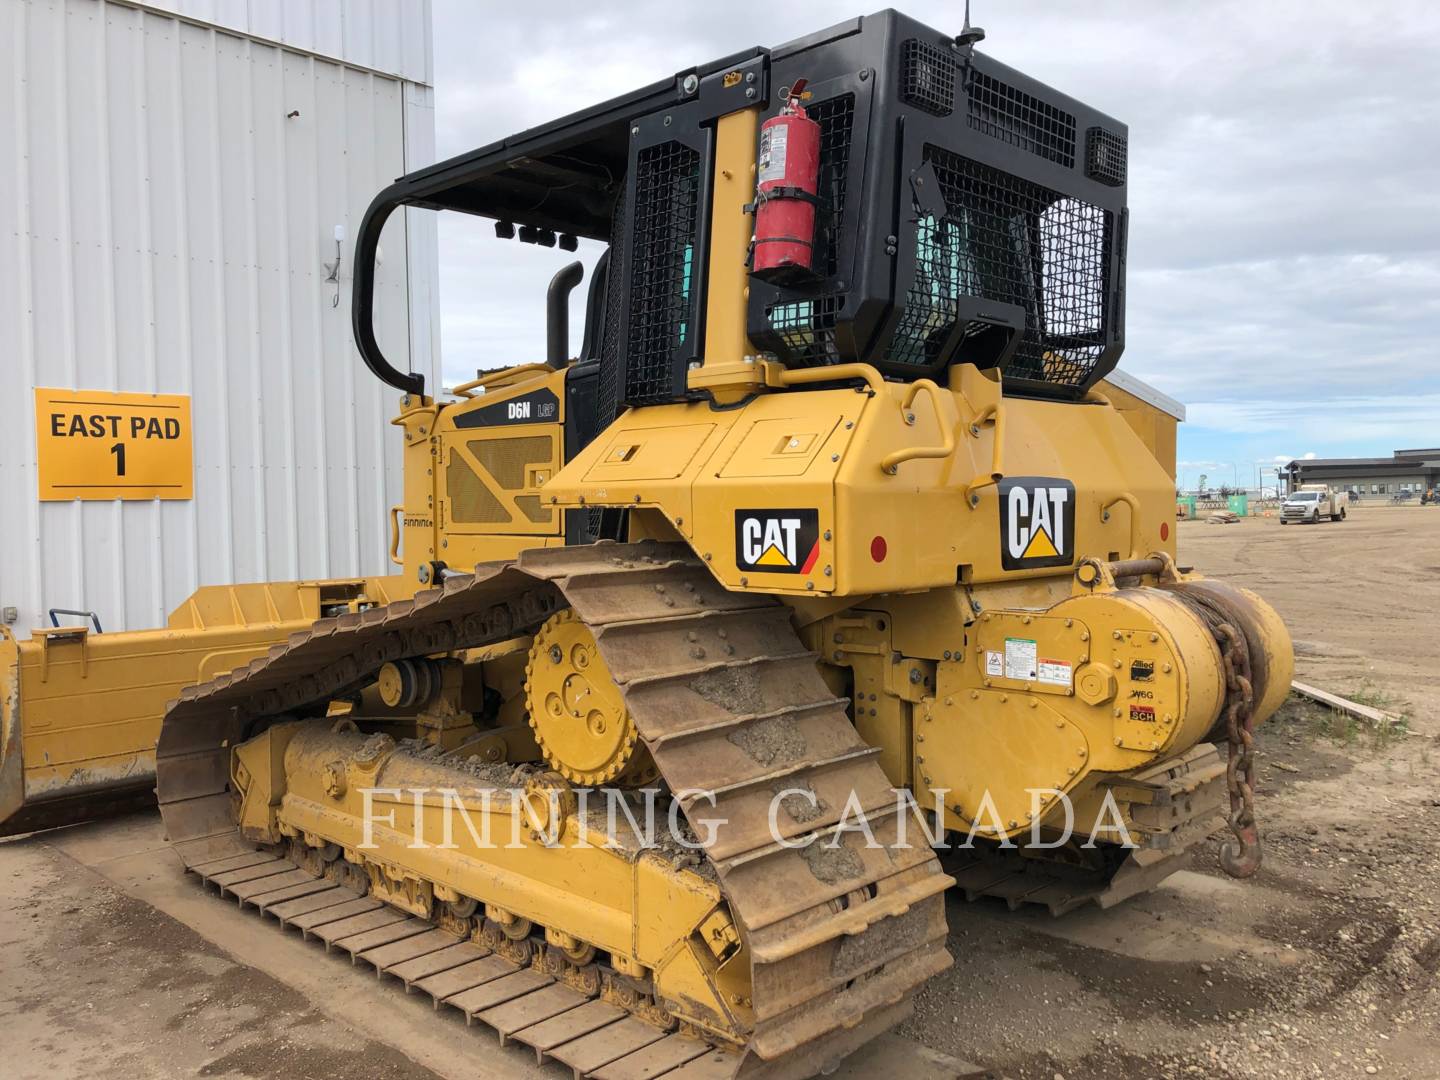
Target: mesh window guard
667	198
1009	240
836	117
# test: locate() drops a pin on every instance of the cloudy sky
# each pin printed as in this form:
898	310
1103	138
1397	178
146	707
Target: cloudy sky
1284	188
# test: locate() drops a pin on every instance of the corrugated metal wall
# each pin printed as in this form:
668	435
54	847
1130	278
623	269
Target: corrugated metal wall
163	224
392	36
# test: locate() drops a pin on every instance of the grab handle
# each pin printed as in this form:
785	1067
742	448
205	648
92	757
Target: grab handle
891	462
395	512
55	612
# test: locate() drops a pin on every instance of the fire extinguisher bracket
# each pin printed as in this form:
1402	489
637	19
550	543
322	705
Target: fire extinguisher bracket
785	193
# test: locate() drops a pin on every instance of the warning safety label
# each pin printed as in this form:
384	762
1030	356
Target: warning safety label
1021	657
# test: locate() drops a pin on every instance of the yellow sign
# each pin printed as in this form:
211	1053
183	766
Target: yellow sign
94	444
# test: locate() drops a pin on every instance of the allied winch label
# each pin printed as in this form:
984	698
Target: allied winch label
1037	522
777	541
97	444
537	407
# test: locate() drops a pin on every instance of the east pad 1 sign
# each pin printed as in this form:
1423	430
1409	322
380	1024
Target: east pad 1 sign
96	444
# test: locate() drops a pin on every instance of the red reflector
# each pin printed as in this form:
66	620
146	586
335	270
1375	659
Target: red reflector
1164	530
879	549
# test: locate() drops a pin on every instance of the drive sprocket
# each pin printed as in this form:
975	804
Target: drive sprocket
578	713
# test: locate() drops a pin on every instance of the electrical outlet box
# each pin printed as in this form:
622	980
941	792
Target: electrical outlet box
9	615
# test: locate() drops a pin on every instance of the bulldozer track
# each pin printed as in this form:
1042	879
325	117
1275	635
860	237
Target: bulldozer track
591	1036
728	703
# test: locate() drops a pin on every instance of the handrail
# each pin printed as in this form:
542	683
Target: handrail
891	462
463	390
362	307
994	414
1134	505
799	376
56	612
395	512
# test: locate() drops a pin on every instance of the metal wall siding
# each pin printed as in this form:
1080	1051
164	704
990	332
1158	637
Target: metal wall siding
391	36
163	225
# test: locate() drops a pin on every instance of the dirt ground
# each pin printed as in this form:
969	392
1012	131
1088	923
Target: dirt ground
1324	964
117	963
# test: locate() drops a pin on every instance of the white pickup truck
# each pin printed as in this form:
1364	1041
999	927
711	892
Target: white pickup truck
1313	503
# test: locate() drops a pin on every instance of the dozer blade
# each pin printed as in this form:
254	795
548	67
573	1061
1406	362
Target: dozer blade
727	701
93	774
80	712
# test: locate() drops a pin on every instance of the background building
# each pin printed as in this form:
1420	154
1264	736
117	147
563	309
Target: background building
176	182
1404	470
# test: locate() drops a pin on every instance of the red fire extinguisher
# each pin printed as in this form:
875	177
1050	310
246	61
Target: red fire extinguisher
787	199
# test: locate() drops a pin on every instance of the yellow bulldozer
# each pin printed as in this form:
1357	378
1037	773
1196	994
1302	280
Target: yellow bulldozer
825	556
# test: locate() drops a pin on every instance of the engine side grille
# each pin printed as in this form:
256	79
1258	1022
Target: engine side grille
1020	119
1012	241
1105	154
667	198
531	507
471	502
507	459
927	77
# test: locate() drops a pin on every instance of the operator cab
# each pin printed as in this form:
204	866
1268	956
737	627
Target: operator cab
963	213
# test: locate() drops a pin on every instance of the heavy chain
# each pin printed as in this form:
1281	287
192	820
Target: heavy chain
1241	857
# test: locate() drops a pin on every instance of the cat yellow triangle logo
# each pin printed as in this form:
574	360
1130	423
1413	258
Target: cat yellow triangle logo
772	557
1040	546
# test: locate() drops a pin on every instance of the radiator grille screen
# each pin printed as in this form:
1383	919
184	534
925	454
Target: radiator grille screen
927	77
1013	241
667	199
1020	119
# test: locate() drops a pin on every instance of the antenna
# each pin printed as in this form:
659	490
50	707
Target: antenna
969	36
